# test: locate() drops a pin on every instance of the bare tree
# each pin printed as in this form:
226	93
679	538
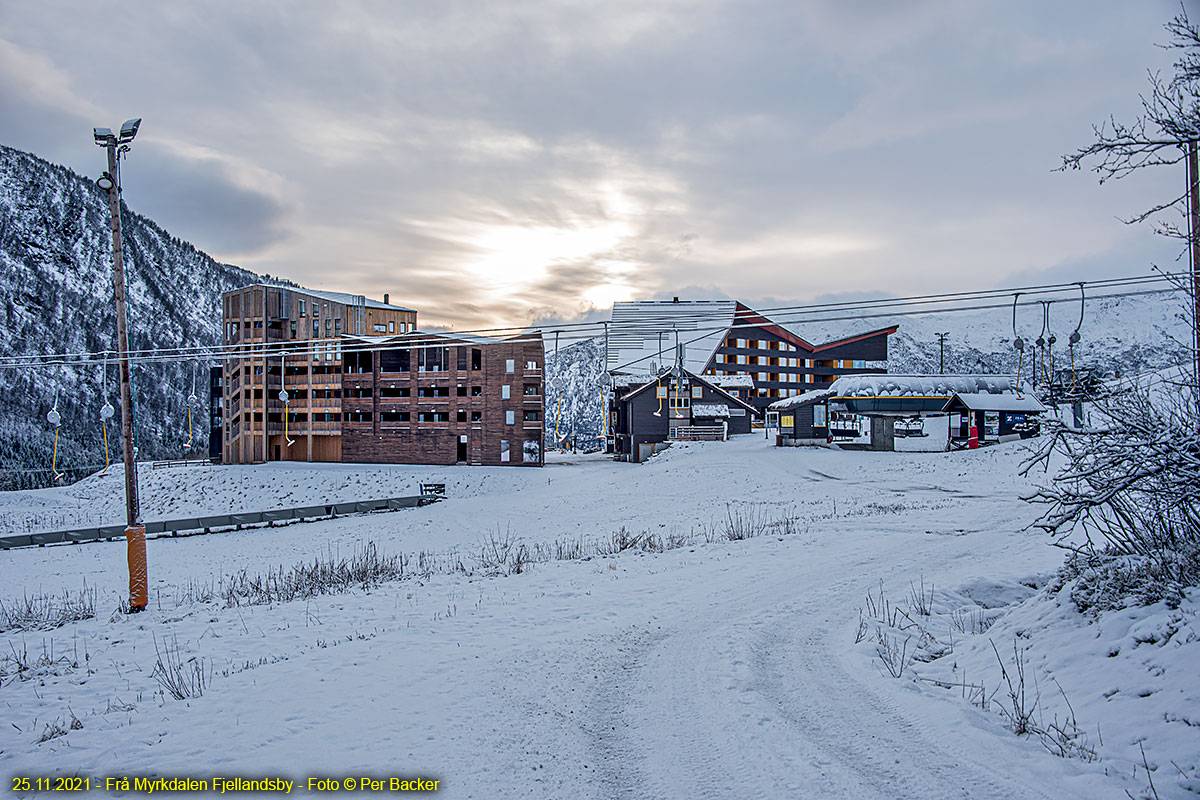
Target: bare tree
1159	136
1131	478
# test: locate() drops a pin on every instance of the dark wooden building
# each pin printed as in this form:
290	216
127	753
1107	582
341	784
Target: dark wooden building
995	417
725	337
804	419
647	411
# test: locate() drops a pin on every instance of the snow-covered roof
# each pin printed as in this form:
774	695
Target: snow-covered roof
1008	401
634	336
802	399
920	385
415	338
625	381
710	410
742	381
345	298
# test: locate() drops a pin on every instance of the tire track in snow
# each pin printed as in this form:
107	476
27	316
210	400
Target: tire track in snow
744	697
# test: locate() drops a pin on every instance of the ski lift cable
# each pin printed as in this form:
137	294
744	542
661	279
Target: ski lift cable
582	328
799	315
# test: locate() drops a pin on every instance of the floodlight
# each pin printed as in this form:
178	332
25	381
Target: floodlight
130	129
104	136
105	182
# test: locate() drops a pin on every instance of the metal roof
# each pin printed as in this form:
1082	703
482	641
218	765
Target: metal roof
974	401
801	399
633	338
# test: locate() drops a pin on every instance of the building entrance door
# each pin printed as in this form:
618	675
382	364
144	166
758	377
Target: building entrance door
462	449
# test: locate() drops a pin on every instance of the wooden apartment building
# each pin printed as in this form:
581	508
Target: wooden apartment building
328	376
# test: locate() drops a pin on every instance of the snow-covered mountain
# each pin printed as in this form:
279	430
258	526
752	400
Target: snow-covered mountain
56	296
1126	335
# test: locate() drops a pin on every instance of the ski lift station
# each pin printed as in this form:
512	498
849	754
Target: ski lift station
870	411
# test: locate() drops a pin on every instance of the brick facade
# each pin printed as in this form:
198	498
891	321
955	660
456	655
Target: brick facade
453	411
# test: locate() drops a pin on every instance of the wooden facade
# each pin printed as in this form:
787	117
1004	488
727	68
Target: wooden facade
289	338
785	365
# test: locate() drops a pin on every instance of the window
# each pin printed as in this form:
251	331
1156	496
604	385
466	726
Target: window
679	402
302	308
736	393
741	359
328	324
460	391
461	352
392	392
337	325
509	365
819	417
433	416
661	392
476	391
860	363
504	450
293	329
697	392
510	417
433	391
358	416
460	415
531	365
787	422
393	416
378	328
391	326
476	416
476	358
531	416
316	328
505	392
394	361
360	391
531	389
531	452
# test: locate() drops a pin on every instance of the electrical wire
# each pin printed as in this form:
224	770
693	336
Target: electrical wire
795	315
424	340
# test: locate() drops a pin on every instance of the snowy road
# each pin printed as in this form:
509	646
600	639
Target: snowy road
717	670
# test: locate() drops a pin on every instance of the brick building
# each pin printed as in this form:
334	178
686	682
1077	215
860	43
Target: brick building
428	398
328	376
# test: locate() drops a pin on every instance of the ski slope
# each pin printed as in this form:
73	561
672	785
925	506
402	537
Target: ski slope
716	669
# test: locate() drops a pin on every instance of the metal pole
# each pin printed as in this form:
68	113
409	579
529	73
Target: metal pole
1194	218
135	532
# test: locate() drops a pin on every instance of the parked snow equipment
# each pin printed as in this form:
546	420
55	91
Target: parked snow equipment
55	419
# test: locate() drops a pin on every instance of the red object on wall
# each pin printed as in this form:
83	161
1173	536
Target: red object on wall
973	438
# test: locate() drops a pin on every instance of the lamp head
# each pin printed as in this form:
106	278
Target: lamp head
106	182
129	130
104	136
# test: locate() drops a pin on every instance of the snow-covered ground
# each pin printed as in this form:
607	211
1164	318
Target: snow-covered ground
718	668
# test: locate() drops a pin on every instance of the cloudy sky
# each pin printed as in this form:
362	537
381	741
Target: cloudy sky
495	163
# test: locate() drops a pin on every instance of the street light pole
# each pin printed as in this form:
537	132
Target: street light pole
135	531
942	357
